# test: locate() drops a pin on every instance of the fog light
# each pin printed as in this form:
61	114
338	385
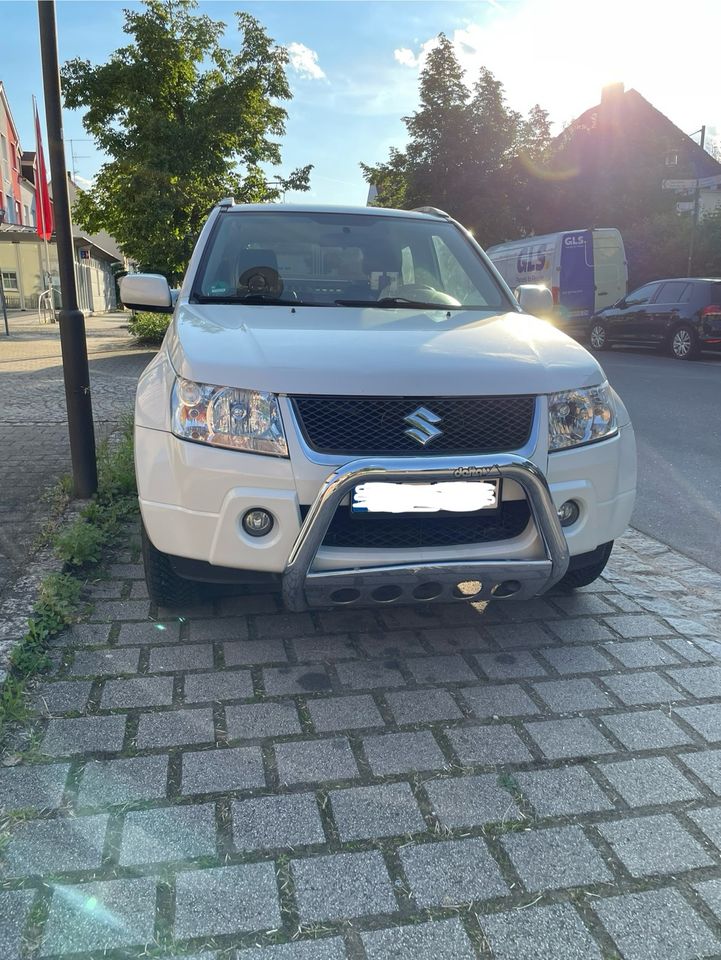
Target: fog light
568	513
257	522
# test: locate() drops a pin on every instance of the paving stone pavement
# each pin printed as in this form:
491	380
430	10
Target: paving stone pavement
538	781
34	432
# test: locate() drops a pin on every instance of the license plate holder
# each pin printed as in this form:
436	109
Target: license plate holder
376	499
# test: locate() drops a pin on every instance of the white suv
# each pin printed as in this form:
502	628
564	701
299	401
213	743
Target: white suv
351	404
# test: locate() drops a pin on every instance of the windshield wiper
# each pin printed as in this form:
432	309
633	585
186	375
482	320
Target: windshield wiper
258	299
395	302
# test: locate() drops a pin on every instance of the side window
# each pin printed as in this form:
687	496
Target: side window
688	292
453	277
673	292
642	295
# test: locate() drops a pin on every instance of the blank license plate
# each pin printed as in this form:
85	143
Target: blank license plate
453	496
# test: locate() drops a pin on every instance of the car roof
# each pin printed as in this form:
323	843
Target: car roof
686	280
328	208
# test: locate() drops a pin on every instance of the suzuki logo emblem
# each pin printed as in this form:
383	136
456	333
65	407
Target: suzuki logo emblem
422	425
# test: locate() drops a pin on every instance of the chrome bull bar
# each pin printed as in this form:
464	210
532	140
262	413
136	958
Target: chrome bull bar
432	581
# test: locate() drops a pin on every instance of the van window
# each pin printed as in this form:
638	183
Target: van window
675	291
642	295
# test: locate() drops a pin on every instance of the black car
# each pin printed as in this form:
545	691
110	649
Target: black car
682	316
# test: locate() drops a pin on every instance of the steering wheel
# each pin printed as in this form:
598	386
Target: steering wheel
261	281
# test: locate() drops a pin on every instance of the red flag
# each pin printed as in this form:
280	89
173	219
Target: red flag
43	207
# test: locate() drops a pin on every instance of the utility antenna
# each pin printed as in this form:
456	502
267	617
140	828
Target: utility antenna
77	156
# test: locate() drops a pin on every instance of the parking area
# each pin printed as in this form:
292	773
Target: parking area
34	430
530	781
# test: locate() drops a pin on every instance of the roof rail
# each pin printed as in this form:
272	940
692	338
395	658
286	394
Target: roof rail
432	210
227	202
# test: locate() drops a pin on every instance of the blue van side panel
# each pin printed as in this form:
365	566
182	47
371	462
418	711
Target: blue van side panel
577	292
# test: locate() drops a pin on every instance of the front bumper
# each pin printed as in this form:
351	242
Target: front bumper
442	581
193	498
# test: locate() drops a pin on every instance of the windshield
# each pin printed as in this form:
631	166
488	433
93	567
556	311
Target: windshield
324	259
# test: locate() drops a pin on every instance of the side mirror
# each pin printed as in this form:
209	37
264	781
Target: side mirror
146	291
535	299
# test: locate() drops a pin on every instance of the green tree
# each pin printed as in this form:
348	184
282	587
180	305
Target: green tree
462	152
185	122
657	247
707	254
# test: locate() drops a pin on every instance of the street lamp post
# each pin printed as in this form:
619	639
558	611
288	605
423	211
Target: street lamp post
71	320
696	198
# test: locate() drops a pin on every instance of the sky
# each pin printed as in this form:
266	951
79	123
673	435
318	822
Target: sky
354	66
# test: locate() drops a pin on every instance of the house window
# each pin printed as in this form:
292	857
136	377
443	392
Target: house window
18	212
672	159
10	208
4	157
26	214
10	280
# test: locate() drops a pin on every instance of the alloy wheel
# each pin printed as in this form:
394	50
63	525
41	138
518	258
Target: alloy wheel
598	337
681	344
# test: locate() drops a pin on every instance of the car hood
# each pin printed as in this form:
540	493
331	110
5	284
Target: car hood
375	351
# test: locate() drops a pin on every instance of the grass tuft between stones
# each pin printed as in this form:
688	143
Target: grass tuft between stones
78	544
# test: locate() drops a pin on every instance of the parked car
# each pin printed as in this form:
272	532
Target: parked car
350	404
682	316
585	270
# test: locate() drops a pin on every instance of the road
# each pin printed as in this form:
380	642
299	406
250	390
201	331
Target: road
675	411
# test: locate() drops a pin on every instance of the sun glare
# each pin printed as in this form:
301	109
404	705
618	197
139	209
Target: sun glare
561	54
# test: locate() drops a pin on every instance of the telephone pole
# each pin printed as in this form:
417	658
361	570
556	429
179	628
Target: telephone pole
72	322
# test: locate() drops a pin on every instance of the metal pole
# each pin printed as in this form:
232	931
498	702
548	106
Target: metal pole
2	288
2	301
71	320
696	197
48	279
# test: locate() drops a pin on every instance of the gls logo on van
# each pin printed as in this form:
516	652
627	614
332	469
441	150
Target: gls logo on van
528	261
573	241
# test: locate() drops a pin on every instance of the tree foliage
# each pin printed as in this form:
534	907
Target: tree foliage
707	255
465	150
657	246
505	177
185	122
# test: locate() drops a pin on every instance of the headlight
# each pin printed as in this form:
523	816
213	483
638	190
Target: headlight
228	417
580	416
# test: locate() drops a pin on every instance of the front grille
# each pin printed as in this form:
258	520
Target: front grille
425	530
374	426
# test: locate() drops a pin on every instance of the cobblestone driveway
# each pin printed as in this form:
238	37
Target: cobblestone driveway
34	431
536	781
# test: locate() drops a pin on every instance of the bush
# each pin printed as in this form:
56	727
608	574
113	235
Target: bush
149	327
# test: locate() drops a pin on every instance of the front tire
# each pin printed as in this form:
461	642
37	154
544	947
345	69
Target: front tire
586	575
165	587
684	343
598	336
